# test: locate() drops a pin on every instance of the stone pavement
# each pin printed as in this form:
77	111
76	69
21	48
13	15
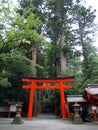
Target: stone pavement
44	122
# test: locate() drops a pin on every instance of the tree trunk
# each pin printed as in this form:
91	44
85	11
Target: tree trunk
34	54
63	57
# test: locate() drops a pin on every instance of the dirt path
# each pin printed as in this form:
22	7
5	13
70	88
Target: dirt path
45	122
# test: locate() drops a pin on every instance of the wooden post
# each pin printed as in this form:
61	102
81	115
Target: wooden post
38	110
63	105
31	102
56	110
68	111
95	115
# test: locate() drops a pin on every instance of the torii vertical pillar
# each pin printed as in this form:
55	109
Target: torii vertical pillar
63	103
31	103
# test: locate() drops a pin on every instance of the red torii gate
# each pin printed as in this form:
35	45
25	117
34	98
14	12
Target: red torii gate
47	83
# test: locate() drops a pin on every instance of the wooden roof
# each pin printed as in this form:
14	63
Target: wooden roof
75	98
91	93
92	89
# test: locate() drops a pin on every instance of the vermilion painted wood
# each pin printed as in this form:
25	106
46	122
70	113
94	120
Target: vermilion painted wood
46	85
31	102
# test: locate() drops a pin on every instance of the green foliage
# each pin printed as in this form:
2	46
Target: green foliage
4	82
14	64
13	67
28	28
92	70
53	59
19	64
89	52
66	49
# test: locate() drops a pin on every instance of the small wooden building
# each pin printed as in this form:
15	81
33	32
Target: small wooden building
9	107
91	95
72	99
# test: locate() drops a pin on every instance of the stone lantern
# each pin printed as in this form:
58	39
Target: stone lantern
77	118
18	119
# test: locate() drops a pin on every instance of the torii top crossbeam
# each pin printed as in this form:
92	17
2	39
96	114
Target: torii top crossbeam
60	83
47	83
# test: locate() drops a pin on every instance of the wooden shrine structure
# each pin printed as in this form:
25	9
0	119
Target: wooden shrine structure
9	107
91	95
71	100
60	83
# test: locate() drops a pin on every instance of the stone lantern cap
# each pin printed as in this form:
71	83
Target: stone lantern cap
19	104
76	105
